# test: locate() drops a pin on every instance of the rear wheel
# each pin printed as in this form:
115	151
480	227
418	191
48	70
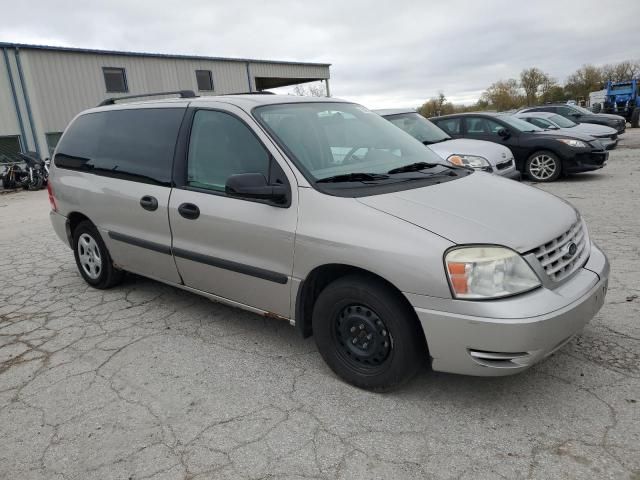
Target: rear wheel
543	166
367	334
93	259
635	117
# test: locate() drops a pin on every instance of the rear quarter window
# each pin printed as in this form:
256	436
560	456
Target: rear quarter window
135	145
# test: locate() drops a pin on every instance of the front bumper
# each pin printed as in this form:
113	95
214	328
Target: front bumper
586	161
507	336
608	144
512	174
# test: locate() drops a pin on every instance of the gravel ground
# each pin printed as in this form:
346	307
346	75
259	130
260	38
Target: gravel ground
146	381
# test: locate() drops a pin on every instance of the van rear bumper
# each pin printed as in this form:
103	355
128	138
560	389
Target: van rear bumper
61	226
499	345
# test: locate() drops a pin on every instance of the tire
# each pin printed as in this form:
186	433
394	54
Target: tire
635	117
8	184
543	166
389	344
596	108
92	257
36	184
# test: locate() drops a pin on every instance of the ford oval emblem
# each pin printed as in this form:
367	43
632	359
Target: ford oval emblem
569	250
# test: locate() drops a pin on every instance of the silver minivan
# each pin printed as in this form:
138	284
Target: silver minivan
321	213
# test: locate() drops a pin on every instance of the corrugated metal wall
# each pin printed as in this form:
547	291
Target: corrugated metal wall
8	118
61	84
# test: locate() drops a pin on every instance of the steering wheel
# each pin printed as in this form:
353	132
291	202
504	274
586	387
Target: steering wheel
350	154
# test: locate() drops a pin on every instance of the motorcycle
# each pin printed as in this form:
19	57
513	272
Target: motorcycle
33	176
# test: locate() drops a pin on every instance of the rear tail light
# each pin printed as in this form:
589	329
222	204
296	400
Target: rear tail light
52	198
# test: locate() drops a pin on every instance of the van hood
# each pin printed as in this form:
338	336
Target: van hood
481	208
493	152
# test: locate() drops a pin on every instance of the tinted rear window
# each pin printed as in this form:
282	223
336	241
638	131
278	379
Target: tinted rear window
134	145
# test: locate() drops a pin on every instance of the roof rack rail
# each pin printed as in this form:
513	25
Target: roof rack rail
181	93
249	93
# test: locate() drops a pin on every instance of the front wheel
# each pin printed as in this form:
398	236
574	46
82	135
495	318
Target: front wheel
543	166
93	259
367	334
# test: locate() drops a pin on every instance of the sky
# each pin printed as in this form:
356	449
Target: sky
383	53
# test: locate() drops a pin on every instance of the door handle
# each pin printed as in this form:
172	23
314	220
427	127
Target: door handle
149	203
189	210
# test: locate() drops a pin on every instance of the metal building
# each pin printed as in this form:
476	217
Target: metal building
42	88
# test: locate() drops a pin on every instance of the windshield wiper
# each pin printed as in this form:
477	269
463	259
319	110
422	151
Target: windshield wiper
431	142
416	167
354	177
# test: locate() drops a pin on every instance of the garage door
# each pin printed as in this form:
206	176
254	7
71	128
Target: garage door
9	148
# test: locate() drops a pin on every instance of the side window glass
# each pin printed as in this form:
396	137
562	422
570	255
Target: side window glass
492	127
476	125
220	146
565	111
132	144
450	125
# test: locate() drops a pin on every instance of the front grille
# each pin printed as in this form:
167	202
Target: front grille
555	258
503	165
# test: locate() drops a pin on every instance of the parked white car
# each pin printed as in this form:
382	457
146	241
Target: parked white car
552	121
477	154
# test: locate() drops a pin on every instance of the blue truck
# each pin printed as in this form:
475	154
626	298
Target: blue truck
623	98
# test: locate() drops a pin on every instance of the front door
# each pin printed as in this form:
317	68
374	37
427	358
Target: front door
481	128
241	250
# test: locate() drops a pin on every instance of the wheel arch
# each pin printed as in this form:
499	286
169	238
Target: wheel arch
319	278
73	220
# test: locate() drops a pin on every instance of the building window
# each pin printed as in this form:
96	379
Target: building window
205	80
115	79
52	140
9	149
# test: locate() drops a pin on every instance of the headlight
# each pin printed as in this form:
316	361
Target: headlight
472	161
572	143
488	272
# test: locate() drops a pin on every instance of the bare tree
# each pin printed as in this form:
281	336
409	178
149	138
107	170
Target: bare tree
311	90
586	79
532	81
503	95
619	72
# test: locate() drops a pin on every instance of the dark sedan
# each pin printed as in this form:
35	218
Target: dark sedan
542	155
581	115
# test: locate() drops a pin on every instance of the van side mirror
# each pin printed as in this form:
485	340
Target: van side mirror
504	133
255	186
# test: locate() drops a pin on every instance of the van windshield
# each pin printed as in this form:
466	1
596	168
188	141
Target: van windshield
344	141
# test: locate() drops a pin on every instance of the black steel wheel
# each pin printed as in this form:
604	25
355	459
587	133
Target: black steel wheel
367	333
364	338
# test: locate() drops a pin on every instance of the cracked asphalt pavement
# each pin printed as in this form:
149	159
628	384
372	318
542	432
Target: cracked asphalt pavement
145	381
